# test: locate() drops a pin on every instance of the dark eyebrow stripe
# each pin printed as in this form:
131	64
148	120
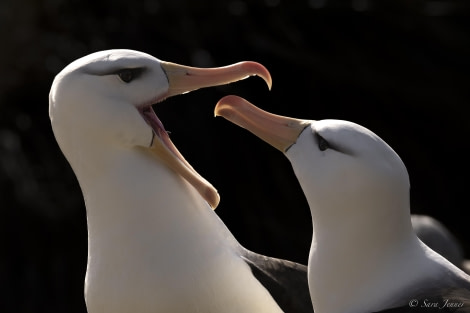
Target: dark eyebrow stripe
115	70
136	70
333	145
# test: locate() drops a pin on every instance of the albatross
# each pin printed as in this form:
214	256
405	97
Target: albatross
364	256
154	242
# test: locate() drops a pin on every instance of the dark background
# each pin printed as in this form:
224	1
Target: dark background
400	68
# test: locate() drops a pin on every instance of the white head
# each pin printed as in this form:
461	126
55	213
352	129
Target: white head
104	101
342	167
346	170
96	98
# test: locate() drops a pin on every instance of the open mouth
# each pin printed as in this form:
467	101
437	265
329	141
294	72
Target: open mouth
183	79
167	152
153	121
159	131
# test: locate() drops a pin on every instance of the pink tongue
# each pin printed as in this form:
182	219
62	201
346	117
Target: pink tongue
152	119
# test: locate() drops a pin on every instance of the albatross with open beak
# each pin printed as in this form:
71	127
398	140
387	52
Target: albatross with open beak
154	243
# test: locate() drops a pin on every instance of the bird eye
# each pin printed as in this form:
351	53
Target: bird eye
129	74
126	75
322	143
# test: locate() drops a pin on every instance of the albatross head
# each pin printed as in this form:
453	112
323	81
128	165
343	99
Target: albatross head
105	99
342	167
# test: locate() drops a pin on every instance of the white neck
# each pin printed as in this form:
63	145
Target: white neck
154	243
368	263
147	200
355	272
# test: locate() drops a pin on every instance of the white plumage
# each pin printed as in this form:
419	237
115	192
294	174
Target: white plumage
154	243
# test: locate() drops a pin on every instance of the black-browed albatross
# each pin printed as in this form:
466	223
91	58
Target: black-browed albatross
364	255
154	243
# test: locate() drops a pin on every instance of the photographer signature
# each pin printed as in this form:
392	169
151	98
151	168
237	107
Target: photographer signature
446	303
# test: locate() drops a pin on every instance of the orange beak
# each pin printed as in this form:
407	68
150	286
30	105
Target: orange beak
279	131
183	79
